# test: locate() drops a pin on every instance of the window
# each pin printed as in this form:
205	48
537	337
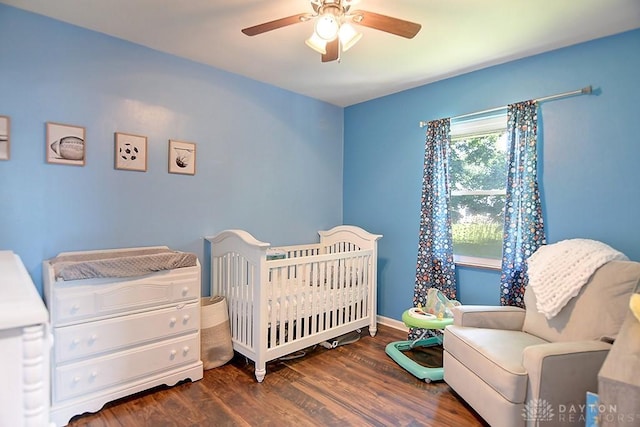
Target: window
478	171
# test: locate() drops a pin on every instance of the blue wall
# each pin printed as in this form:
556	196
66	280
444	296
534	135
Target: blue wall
271	161
268	160
589	158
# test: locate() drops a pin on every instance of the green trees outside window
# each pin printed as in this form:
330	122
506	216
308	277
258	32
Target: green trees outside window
478	172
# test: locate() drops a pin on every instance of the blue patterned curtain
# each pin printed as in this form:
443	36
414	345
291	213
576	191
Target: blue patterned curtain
523	225
435	267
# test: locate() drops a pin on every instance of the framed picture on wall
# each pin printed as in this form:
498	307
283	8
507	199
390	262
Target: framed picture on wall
130	152
5	124
182	157
65	144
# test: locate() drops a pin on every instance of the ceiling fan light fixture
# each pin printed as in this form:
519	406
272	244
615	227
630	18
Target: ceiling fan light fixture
348	36
332	29
316	43
327	26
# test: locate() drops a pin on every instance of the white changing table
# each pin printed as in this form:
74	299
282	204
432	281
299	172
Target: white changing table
117	336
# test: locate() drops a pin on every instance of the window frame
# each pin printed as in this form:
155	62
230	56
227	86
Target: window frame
476	127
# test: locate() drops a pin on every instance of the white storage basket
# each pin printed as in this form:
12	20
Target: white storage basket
216	347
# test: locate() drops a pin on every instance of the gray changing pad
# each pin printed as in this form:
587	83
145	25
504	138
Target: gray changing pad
125	263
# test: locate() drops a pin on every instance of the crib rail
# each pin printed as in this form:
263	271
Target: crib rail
307	297
303	296
233	276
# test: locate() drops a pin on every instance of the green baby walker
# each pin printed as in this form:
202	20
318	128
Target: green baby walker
435	316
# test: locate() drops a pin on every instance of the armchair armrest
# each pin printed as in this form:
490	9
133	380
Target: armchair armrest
488	316
562	372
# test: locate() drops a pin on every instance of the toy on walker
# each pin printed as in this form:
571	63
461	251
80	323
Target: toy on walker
435	316
419	313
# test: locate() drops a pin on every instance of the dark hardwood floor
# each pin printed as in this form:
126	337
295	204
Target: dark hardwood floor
352	385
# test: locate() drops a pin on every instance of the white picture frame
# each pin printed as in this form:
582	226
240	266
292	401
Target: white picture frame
65	144
5	137
182	157
130	152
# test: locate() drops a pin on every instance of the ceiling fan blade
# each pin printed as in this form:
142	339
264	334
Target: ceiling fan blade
396	26
278	23
333	51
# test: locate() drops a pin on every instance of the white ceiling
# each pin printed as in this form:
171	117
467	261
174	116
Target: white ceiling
457	36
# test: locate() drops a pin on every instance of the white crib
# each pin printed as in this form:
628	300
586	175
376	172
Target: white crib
285	299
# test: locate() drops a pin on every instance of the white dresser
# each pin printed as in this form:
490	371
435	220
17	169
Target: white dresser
24	347
116	337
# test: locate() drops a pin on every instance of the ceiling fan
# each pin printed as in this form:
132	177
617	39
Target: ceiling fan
333	31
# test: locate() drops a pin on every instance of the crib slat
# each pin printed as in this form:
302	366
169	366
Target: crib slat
248	278
272	285
336	294
313	303
349	288
283	293
303	306
338	287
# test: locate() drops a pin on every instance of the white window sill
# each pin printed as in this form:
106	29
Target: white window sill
469	261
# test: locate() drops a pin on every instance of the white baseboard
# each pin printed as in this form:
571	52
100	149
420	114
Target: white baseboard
392	323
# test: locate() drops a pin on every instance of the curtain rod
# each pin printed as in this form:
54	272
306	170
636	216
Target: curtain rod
587	90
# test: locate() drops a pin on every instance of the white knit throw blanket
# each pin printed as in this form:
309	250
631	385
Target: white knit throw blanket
558	271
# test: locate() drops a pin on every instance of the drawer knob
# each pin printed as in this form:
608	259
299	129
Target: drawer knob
185	290
93	374
75	342
185	318
173	353
76	379
93	338
74	308
172	321
185	349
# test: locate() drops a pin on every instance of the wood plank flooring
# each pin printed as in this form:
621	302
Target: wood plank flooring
352	385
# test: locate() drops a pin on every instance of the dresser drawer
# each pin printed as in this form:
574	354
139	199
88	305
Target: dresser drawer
87	339
76	301
84	378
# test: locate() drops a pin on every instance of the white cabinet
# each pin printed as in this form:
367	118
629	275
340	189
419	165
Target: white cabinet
115	337
24	347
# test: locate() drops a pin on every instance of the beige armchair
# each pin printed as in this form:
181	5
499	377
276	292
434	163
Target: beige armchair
516	368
